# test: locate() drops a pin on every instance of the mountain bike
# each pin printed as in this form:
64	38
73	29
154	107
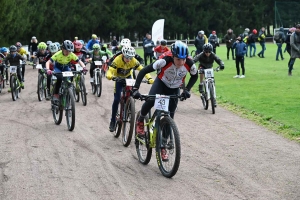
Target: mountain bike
80	85
3	78
42	82
162	134
66	101
15	83
209	87
97	83
104	65
126	112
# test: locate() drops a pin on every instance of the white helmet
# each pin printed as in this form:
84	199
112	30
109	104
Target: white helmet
247	29
128	51
53	48
125	42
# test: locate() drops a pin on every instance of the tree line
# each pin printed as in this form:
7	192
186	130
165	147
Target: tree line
58	20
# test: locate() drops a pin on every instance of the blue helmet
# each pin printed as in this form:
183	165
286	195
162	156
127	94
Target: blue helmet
180	50
3	50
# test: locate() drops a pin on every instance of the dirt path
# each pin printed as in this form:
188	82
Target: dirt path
223	155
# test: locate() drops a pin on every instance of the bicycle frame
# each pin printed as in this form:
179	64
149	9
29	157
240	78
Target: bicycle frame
209	77
98	68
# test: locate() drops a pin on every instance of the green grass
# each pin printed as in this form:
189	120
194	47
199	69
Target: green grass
267	95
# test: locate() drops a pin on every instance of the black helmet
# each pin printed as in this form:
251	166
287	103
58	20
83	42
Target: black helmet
12	48
207	48
163	42
68	45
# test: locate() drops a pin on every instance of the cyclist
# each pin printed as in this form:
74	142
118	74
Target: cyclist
53	49
172	72
91	42
162	48
114	45
122	67
62	59
48	43
105	49
42	54
23	53
14	60
95	55
3	54
206	59
32	47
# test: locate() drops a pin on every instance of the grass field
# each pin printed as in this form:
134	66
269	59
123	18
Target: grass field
267	95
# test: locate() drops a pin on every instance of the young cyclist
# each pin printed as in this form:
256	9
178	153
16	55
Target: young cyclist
3	54
32	47
23	53
95	55
206	59
105	49
122	67
14	60
42	53
62	61
53	49
162	48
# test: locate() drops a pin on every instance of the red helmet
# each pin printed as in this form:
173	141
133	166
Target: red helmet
77	44
213	32
254	31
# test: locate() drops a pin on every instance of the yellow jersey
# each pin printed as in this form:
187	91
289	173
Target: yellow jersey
60	59
22	51
120	68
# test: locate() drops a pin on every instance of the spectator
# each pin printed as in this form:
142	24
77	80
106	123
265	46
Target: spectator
295	48
148	45
162	48
279	38
245	39
114	43
200	40
229	39
240	50
288	44
251	42
91	42
32	47
262	42
213	40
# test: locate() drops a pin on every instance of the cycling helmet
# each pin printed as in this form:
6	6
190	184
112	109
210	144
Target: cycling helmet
53	48
128	51
58	45
96	46
201	32
33	38
207	48
82	42
247	29
254	31
48	42
104	46
12	48
42	46
68	45
94	36
18	45
3	50
179	50
78	44
125	42
163	42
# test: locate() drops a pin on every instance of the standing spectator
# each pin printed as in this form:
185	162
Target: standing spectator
114	43
288	44
32	47
262	42
213	40
200	40
148	45
229	39
295	48
240	50
245	39
91	42
251	42
279	38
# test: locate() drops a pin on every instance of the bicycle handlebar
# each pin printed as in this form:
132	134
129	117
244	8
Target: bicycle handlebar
146	96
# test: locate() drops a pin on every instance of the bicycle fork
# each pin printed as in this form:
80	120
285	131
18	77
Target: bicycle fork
208	89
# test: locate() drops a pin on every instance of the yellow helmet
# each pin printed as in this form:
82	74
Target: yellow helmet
94	36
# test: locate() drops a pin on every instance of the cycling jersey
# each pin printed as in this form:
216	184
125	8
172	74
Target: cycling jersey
97	56
14	60
81	56
159	51
60	59
42	57
122	69
22	51
207	61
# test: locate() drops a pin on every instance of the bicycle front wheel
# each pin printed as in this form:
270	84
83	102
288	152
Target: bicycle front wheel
83	91
128	124
212	97
119	122
168	148
70	110
99	85
14	88
57	112
142	145
40	88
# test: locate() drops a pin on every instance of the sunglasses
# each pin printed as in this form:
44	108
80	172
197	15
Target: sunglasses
128	57
207	51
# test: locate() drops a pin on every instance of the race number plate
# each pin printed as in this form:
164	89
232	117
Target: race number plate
67	74
13	69
78	67
162	102
130	82
104	58
209	73
39	66
98	62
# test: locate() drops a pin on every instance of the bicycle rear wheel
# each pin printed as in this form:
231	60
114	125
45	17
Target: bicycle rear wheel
83	91
40	88
142	145
14	88
168	140
99	85
119	123
128	124
70	110
212	98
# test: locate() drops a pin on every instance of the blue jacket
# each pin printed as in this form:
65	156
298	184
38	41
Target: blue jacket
240	48
148	46
90	44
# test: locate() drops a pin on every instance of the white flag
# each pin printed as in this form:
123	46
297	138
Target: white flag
158	30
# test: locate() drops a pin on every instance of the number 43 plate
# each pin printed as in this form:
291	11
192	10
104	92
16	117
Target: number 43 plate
162	102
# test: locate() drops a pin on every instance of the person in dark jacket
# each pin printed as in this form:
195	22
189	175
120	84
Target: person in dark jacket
200	40
262	42
251	42
295	48
148	45
229	39
287	41
213	40
279	41
240	50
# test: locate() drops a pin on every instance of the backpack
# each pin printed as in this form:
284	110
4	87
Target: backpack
277	37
